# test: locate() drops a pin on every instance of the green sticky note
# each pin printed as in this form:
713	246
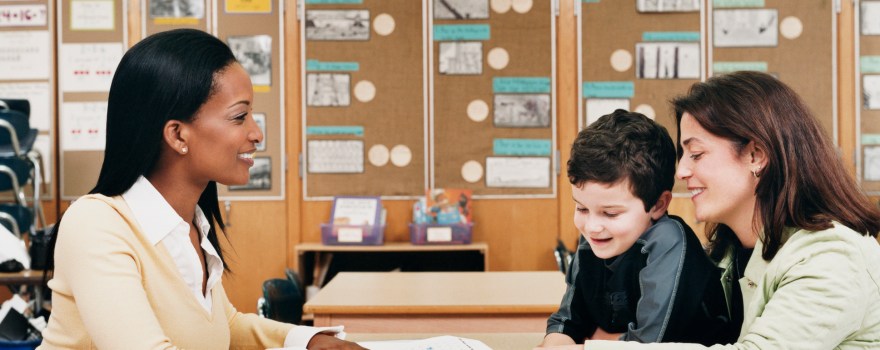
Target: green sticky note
870	64
671	36
727	67
524	85
521	147
871	139
738	3
335	130
609	89
316	65
448	32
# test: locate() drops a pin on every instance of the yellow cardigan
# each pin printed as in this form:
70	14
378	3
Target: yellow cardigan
111	289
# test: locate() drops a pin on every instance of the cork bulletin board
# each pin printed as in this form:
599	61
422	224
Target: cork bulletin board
92	37
794	40
254	31
493	97
364	97
161	15
867	33
27	61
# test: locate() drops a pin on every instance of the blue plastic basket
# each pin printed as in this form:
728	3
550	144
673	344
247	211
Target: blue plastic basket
20	344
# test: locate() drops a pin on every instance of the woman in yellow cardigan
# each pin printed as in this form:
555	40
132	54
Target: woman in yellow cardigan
137	261
762	171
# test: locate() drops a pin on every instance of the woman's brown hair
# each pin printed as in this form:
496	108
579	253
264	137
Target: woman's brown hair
803	184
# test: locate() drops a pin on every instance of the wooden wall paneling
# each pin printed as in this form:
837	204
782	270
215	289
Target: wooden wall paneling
567	123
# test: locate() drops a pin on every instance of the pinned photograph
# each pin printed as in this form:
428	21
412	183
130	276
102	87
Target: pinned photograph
668	60
870	17
667	5
461	9
260	118
338	25
328	90
746	28
254	53
522	110
260	176
177	9
461	58
872	163
871	91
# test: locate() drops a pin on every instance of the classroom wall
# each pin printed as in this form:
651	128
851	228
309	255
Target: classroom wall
521	233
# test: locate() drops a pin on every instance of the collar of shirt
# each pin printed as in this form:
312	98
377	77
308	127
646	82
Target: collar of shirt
161	224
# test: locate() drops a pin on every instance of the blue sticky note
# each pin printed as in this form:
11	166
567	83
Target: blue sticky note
671	36
870	64
524	85
609	89
334	1
738	3
727	67
316	65
871	139
447	32
521	147
335	130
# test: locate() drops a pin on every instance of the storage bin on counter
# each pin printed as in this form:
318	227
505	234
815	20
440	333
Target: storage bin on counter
352	234
440	233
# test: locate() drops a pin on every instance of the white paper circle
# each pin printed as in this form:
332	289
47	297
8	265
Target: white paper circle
498	58
647	110
522	6
365	91
383	24
791	27
378	155
478	110
621	60
472	171
401	155
500	6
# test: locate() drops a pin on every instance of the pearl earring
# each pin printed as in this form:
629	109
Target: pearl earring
184	150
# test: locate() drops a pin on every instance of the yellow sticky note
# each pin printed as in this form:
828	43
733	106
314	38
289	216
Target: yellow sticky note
248	6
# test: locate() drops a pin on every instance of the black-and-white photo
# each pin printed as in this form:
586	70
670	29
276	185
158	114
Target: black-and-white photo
177	9
328	89
260	118
667	5
260	176
465	58
522	110
461	9
870	17
338	25
254	53
746	28
871	91
668	60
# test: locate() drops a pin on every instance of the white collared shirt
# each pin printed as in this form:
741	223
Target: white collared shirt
161	224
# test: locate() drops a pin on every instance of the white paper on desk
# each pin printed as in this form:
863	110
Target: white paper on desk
24	55
88	67
83	126
38	95
446	342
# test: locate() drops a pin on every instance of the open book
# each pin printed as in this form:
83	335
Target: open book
446	342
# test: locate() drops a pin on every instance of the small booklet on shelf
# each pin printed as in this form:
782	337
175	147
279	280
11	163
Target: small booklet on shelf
356	211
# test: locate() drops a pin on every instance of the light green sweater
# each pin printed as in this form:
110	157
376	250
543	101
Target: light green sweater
820	291
113	290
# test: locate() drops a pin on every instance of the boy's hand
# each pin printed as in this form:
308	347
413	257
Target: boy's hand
556	339
328	342
601	334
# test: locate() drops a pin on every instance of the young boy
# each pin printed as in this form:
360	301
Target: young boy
638	274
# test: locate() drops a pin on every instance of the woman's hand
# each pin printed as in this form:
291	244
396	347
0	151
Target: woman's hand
323	341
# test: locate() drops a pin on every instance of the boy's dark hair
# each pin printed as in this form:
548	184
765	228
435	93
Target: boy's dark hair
625	145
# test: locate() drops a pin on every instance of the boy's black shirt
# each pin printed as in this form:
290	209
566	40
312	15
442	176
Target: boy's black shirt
605	293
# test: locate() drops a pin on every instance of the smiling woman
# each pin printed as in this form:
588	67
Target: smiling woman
137	261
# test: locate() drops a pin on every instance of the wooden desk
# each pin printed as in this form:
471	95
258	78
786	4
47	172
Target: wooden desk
322	255
439	302
500	341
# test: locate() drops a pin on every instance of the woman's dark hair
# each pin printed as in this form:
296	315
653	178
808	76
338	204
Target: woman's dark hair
166	76
803	184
